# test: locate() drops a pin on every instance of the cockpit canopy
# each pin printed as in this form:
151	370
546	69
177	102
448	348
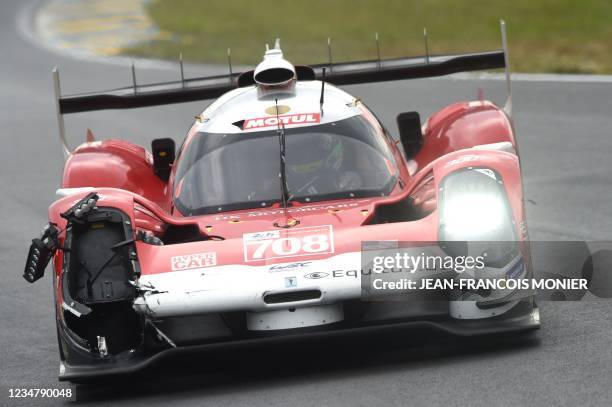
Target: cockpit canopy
347	158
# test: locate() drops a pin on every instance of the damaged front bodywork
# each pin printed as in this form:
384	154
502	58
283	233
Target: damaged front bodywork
97	281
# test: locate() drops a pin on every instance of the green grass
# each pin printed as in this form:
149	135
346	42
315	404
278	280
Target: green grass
544	35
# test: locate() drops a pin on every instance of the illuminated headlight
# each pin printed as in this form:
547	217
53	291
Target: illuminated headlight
474	208
473	214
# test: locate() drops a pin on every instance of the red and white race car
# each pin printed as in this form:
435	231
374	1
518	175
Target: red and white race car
256	226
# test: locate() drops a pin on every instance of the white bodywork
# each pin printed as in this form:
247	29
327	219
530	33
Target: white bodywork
244	288
244	103
294	317
273	101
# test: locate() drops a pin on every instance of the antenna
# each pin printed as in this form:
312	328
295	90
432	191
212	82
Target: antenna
60	116
329	54
134	79
508	105
426	46
322	91
377	50
282	174
182	71
229	63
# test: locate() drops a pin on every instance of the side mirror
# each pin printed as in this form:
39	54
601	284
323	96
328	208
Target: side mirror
411	136
163	150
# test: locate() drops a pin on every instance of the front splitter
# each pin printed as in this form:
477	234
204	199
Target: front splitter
461	328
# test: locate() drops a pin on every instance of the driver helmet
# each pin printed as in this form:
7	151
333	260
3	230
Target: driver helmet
322	152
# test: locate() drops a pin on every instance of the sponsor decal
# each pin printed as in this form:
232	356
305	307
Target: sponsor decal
287	120
272	234
295	242
301	209
290	266
462	159
193	261
280	109
290	282
316	275
350	273
356	273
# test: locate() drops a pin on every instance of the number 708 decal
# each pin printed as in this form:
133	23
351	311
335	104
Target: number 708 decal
293	242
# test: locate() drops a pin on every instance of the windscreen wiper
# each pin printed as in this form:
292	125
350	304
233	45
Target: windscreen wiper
285	194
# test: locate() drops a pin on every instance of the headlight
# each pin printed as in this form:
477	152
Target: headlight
474	208
473	215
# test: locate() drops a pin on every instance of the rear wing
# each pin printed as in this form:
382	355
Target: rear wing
345	73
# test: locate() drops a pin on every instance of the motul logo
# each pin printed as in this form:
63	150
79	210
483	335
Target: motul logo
193	261
286	120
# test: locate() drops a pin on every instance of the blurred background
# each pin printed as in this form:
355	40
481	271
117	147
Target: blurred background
559	36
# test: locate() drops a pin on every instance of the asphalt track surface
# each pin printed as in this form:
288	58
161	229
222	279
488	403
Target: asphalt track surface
565	135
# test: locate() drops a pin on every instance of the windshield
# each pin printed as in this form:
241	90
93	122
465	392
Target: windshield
344	159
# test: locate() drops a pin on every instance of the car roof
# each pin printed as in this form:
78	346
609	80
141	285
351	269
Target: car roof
241	110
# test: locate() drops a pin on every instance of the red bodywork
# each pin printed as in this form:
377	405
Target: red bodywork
123	176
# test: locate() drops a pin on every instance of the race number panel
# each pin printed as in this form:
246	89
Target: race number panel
295	242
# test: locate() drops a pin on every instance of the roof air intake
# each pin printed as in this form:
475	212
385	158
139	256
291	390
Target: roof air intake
275	74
